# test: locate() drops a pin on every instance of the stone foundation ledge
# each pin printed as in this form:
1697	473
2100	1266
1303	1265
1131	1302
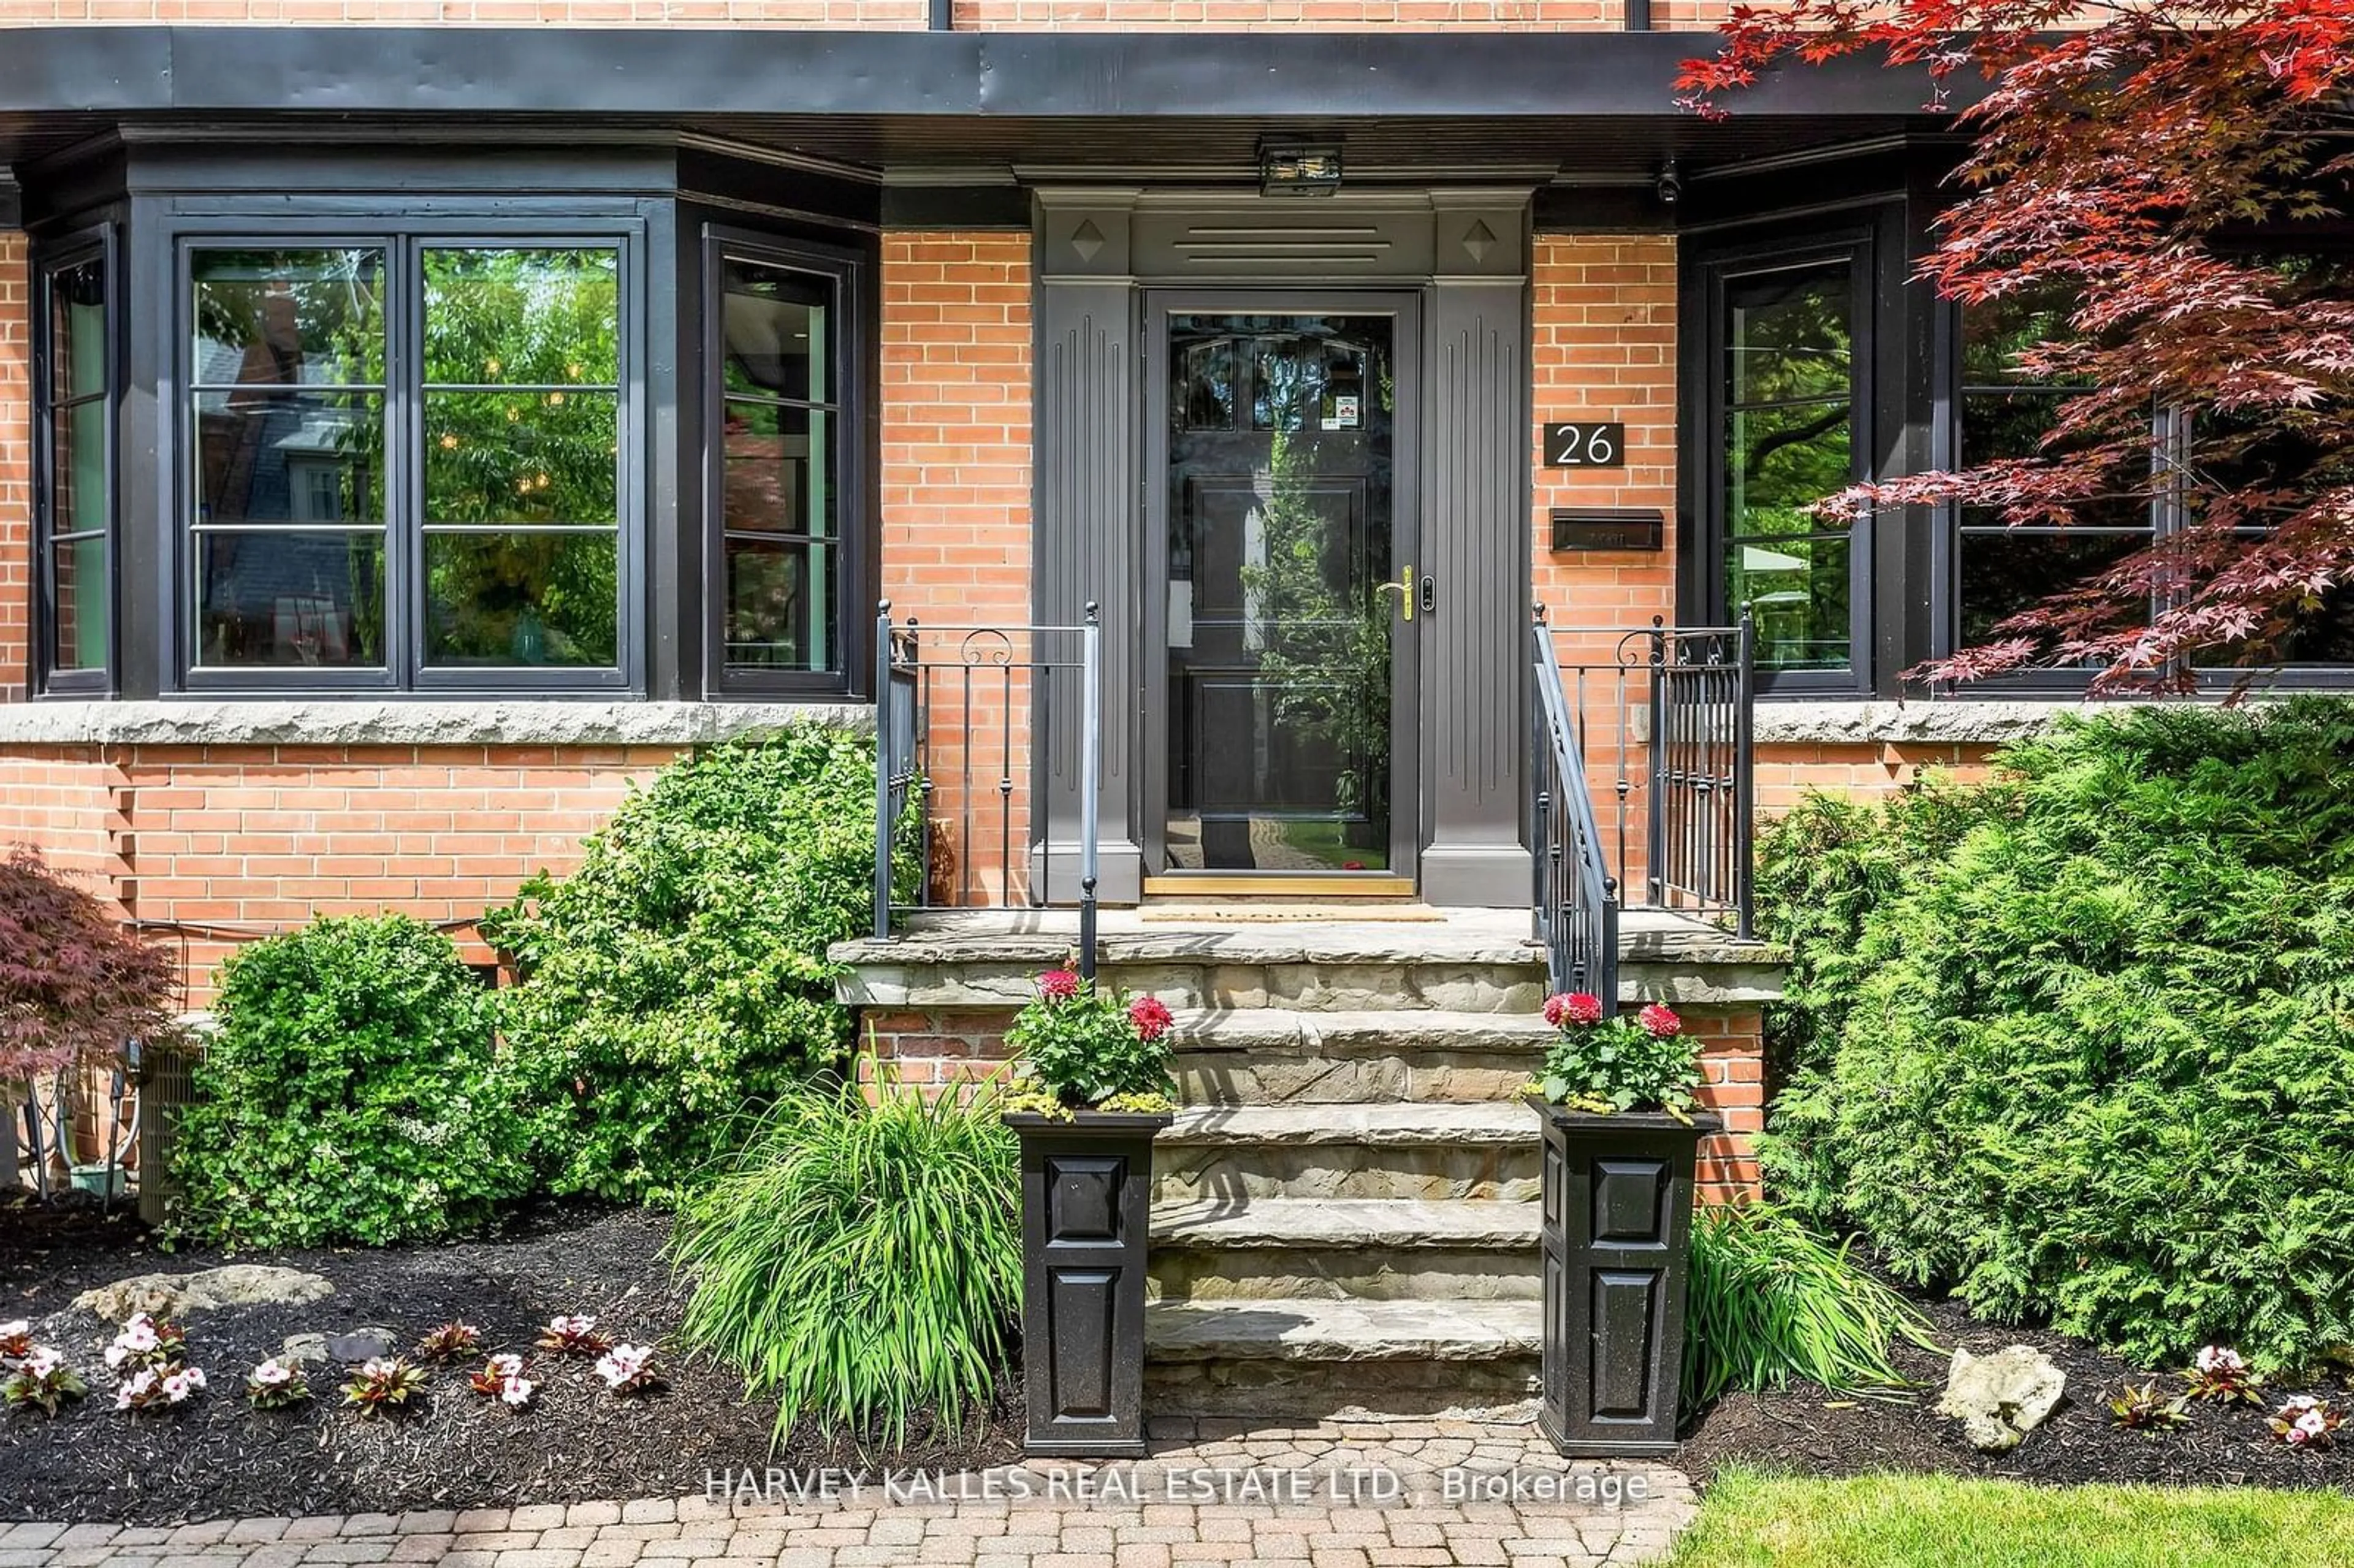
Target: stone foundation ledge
409	721
1944	722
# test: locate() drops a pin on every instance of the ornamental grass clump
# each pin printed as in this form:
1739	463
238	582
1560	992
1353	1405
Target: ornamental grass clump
1602	1061
1770	1301
2093	1047
861	1264
1091	1048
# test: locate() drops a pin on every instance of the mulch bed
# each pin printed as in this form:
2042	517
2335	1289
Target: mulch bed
216	1459
1805	1431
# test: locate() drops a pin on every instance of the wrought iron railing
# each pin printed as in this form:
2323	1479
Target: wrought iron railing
1574	900
1660	725
993	736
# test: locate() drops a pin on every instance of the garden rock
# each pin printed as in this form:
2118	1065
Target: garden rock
2000	1399
359	1345
178	1295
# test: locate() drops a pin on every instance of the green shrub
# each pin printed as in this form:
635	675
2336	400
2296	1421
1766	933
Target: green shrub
862	1265
678	979
2097	1058
349	1094
1770	1301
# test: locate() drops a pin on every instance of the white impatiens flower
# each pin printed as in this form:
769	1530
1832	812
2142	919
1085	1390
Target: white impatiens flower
507	1364
2217	1359
580	1323
623	1364
137	1339
43	1361
182	1382
137	1390
517	1391
2308	1427
273	1373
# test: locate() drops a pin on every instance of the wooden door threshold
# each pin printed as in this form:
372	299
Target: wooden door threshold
1292	888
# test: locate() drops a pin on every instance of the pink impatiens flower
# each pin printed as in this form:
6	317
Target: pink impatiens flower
1151	1017
1659	1021
1058	985
1572	1007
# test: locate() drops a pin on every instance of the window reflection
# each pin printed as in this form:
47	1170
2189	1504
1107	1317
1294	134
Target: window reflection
273	452
1789	391
520	418
78	506
779	488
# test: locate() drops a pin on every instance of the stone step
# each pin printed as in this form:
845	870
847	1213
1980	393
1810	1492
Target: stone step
1261	1248
1425	1151
1306	1357
1284	1055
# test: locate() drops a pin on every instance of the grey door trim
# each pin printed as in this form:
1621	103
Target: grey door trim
1152	730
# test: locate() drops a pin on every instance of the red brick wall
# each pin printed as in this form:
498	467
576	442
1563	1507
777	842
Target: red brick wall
956	506
218	844
16	466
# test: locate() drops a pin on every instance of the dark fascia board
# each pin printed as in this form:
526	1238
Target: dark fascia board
482	71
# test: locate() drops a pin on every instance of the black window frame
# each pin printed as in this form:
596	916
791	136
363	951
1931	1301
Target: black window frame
2168	436
857	523
403	236
97	243
1854	242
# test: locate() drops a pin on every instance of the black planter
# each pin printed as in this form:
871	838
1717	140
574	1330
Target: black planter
1618	1259
1086	1195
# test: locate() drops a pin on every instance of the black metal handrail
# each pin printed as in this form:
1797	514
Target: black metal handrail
1573	899
1656	734
965	717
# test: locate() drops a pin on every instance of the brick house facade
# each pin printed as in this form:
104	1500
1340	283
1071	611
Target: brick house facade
881	299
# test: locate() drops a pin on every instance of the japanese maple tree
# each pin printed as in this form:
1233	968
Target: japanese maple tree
2168	173
73	983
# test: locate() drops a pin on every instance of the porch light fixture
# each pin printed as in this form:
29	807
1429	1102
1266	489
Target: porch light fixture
1299	171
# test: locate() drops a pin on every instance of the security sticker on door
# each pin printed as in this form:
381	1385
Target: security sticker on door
1345	410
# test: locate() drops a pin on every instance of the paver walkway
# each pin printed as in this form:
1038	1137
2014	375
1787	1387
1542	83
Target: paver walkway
1331	1495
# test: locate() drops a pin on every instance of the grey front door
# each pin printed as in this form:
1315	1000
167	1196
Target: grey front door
1280	535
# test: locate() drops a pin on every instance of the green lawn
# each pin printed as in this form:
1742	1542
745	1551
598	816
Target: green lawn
1935	1521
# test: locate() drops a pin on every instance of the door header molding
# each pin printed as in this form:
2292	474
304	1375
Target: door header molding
1114	233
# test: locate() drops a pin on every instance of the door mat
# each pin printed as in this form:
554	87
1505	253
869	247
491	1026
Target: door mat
1263	914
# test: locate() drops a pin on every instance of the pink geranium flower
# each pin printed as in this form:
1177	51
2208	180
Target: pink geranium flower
1659	1021
1151	1017
1058	985
1572	1007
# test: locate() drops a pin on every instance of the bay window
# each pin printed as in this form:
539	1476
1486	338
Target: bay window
407	459
75	385
787	581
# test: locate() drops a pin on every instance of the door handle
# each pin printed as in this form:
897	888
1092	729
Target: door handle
1403	588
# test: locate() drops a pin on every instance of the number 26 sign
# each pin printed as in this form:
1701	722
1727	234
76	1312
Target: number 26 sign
1586	443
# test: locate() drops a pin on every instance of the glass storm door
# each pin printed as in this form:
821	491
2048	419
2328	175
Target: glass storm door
1286	596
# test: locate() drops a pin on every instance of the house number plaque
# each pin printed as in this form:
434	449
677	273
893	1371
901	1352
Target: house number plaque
1587	443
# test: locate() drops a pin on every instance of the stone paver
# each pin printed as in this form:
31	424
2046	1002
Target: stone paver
1398	1495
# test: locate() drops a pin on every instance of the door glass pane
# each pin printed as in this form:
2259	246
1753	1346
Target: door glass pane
1280	622
288	597
77	331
